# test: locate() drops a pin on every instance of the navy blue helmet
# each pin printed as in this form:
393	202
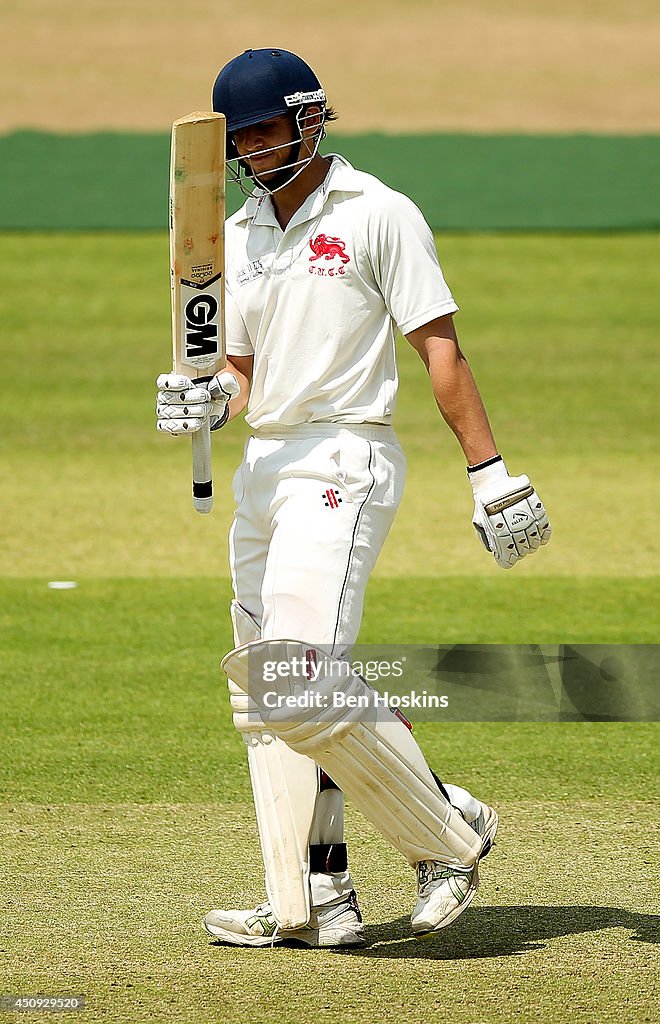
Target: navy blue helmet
260	84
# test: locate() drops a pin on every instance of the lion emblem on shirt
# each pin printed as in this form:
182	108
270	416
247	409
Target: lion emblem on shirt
329	247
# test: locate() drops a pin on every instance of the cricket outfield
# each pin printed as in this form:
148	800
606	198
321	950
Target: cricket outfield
125	811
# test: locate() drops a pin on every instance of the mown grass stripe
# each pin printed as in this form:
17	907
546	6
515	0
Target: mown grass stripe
461	181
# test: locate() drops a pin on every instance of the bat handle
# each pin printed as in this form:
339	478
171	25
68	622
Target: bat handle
202	471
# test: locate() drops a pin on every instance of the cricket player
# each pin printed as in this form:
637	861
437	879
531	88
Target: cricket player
324	264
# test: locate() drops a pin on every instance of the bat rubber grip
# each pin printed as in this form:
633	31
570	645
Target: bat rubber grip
202	472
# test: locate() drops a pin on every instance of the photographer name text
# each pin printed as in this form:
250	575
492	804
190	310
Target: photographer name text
338	699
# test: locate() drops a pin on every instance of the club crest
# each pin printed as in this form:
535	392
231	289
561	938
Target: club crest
327	247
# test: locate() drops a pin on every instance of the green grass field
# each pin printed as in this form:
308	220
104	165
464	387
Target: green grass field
125	810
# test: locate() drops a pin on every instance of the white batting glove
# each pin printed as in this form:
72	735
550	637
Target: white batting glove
508	513
182	406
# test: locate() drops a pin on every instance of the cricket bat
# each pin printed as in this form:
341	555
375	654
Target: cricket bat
197	250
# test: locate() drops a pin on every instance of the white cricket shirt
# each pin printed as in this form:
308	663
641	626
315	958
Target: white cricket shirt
319	303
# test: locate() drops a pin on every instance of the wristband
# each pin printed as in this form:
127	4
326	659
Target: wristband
482	465
483	474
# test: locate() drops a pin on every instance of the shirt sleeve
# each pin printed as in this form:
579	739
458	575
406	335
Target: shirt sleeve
405	264
238	339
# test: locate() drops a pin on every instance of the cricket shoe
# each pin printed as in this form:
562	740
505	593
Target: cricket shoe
443	893
334	924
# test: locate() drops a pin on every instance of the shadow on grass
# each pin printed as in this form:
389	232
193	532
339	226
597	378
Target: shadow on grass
502	931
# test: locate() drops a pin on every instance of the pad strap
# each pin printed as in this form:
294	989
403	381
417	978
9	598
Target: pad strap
328	858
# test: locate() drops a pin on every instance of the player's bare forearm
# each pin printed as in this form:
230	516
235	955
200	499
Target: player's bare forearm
459	401
241	367
454	388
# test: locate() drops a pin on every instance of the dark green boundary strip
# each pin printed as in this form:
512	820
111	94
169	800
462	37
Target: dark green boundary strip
462	182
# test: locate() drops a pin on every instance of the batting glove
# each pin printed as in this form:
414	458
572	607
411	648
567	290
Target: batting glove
182	406
508	513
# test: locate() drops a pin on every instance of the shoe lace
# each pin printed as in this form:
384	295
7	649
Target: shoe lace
266	910
431	871
264	917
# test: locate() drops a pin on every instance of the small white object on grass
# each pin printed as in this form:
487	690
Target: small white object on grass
62	584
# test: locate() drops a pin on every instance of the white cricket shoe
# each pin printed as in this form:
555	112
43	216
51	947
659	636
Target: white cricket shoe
444	893
334	924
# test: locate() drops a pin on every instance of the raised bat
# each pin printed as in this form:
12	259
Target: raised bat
197	251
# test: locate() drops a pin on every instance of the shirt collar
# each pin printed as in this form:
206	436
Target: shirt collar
342	177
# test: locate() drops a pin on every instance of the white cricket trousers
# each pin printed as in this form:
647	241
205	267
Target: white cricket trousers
314	504
313	507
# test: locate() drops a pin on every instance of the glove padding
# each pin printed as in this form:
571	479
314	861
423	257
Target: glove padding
510	519
182	406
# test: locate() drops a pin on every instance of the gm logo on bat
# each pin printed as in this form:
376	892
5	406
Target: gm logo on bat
201	310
